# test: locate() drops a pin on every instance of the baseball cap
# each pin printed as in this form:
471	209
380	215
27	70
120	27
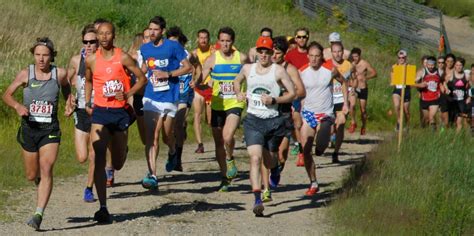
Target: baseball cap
402	53
264	42
334	37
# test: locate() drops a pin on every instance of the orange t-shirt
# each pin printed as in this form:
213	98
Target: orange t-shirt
108	78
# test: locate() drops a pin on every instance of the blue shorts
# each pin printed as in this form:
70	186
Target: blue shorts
115	119
296	105
187	97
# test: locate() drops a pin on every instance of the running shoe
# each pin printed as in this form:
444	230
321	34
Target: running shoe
311	191
274	177
231	169
281	166
267	196
171	162
88	195
300	161
352	128
335	158
200	148
150	182
362	131
35	221
295	150
224	186
110	177
258	208
102	216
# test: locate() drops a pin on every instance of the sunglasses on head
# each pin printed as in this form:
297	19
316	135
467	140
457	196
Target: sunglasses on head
301	36
94	41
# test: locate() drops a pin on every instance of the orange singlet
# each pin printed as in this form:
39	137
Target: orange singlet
108	78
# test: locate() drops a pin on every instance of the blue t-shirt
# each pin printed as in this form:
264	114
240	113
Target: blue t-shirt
165	57
185	79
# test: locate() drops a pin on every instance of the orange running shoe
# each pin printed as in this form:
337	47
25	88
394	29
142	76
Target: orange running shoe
352	128
300	160
362	131
311	191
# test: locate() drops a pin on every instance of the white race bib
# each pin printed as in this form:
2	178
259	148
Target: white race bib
41	111
226	90
111	87
159	85
256	101
458	94
432	86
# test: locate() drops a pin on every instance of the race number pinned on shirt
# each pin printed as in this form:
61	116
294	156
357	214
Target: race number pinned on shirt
432	86
226	90
256	101
41	111
111	87
458	94
181	86
159	84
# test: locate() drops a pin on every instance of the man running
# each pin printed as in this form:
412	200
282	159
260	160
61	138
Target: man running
318	108
429	84
298	57
340	95
362	72
160	103
39	134
264	32
111	114
203	93
82	121
223	66
263	126
397	93
335	37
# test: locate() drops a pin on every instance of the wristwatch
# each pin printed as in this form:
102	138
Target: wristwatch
89	104
170	74
274	101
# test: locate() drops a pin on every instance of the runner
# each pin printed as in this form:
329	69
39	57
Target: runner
186	95
82	122
429	83
298	57
446	105
335	37
111	114
340	95
457	85
419	75
203	93
39	134
162	59
134	52
471	97
263	125
318	108
280	47
223	66
362	71
264	32
397	91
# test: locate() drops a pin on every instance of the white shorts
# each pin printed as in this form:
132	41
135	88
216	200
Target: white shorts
163	108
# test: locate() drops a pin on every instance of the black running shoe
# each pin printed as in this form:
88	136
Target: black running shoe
102	216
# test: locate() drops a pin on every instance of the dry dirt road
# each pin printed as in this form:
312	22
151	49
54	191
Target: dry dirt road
187	203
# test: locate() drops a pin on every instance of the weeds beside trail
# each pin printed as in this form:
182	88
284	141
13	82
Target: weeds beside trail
426	189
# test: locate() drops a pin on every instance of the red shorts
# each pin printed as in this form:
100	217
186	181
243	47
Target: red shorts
205	91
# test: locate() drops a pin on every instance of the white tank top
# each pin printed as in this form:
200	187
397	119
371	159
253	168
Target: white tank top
262	84
318	85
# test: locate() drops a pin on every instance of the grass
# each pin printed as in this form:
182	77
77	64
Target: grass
426	189
459	8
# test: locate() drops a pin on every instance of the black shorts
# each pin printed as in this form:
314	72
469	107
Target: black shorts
443	102
31	139
82	120
115	119
362	93
138	104
459	108
407	93
265	132
218	117
289	126
425	105
338	107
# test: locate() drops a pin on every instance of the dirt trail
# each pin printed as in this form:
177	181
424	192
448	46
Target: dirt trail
187	203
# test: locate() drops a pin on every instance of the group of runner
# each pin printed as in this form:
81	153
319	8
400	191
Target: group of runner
301	92
444	87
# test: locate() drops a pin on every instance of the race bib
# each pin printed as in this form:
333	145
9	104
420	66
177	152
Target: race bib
181	86
432	86
458	94
226	90
159	85
256	101
41	111
111	87
337	89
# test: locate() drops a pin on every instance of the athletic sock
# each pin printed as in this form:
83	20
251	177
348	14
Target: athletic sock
257	194
39	211
89	188
300	148
179	153
103	207
314	184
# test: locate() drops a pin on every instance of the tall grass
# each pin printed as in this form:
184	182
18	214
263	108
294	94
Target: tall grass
425	189
458	8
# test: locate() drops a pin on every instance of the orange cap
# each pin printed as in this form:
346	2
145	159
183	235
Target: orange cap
265	42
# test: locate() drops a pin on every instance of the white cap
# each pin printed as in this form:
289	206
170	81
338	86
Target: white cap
334	37
402	53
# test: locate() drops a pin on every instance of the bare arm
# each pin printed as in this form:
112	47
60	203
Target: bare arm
285	79
131	65
244	59
251	55
337	76
207	67
371	72
20	80
297	82
238	81
90	61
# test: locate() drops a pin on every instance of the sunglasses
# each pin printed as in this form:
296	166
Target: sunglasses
301	36
85	42
440	62
402	57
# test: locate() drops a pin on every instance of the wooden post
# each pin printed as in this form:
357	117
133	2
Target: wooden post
402	106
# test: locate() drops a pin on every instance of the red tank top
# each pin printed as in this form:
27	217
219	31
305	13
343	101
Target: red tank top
432	92
108	78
